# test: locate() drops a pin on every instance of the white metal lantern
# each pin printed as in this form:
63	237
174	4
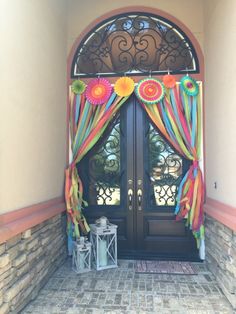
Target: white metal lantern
81	256
103	237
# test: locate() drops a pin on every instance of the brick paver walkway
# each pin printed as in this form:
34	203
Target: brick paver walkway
121	290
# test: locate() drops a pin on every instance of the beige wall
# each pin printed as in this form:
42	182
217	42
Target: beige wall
82	13
32	101
220	105
33	90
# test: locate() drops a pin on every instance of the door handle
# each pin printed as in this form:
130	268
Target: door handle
140	197
130	198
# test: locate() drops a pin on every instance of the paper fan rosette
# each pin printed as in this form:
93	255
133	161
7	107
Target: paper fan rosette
78	87
98	91
150	91
189	85
124	86
169	81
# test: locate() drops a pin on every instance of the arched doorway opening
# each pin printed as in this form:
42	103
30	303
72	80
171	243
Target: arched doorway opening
132	174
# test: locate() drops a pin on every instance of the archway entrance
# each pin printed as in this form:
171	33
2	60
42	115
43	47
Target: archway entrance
132	174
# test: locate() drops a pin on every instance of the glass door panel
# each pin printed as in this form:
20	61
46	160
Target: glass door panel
163	170
105	173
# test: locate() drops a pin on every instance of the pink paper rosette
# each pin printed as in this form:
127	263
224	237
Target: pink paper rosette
98	91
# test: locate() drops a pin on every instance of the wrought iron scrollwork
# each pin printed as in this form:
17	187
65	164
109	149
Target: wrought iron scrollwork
165	170
134	43
105	170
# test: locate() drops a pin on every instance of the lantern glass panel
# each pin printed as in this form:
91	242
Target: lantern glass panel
81	257
104	242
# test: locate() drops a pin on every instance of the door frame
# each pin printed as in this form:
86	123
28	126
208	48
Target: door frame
135	238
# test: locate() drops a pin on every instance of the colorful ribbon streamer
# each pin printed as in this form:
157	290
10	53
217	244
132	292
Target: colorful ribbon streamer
87	124
178	116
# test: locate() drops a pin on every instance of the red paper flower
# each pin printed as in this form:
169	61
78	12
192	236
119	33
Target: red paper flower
98	91
150	91
169	81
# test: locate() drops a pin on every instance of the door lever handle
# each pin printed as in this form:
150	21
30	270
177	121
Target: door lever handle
130	198
140	197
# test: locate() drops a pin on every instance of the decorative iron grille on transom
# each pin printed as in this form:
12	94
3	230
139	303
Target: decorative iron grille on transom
135	43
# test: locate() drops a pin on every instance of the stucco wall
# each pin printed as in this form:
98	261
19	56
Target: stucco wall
82	13
33	90
32	101
220	105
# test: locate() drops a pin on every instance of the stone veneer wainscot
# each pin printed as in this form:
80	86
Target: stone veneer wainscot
27	261
221	256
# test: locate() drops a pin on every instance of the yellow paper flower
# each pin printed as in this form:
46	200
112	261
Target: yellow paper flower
124	86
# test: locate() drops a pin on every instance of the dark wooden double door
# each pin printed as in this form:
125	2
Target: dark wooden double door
132	176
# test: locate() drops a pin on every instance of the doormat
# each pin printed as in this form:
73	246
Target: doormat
165	267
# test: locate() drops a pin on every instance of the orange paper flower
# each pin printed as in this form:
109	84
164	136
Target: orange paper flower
124	86
169	81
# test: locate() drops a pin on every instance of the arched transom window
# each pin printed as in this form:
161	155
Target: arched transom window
134	43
